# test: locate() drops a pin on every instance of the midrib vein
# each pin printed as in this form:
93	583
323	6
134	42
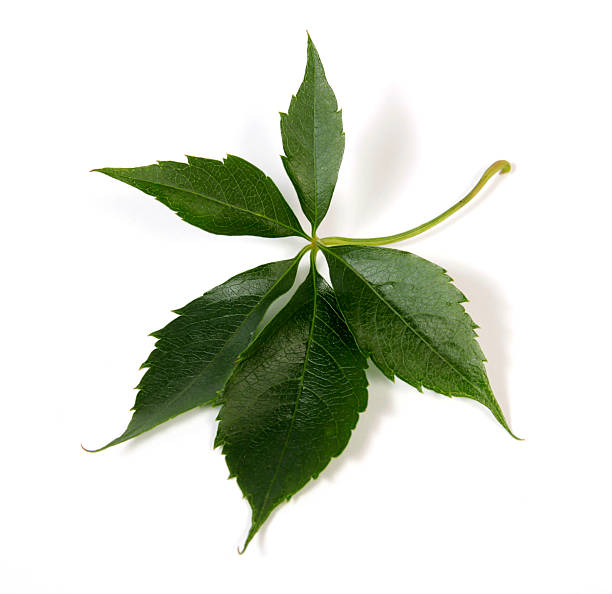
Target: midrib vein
399	315
227	204
314	148
297	400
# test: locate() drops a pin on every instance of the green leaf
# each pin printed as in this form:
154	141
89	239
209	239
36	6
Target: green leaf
290	395
405	314
229	197
292	401
196	352
313	140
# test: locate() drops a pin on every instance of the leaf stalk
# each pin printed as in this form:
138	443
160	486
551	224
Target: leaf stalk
499	166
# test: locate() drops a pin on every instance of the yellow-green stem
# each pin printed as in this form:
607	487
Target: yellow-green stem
498	166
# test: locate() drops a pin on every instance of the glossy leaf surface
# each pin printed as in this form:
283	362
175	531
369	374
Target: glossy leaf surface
230	197
313	140
196	352
407	315
293	400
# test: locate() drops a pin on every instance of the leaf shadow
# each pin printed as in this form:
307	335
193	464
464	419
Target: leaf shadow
489	309
380	405
382	157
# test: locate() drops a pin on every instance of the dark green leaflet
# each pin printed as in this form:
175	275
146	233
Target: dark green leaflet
230	197
405	313
293	400
313	140
196	352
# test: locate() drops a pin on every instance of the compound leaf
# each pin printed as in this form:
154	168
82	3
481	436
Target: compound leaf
313	140
196	352
229	197
292	401
405	314
291	394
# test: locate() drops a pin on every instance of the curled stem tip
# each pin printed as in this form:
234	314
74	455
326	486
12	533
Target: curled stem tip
497	167
504	166
94	451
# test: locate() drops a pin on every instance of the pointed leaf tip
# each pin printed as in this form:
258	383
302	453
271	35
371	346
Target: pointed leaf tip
513	435
309	41
252	532
91	451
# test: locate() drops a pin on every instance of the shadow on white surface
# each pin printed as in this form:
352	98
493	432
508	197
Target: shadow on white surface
381	158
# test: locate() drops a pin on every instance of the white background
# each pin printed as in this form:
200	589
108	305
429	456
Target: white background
431	495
